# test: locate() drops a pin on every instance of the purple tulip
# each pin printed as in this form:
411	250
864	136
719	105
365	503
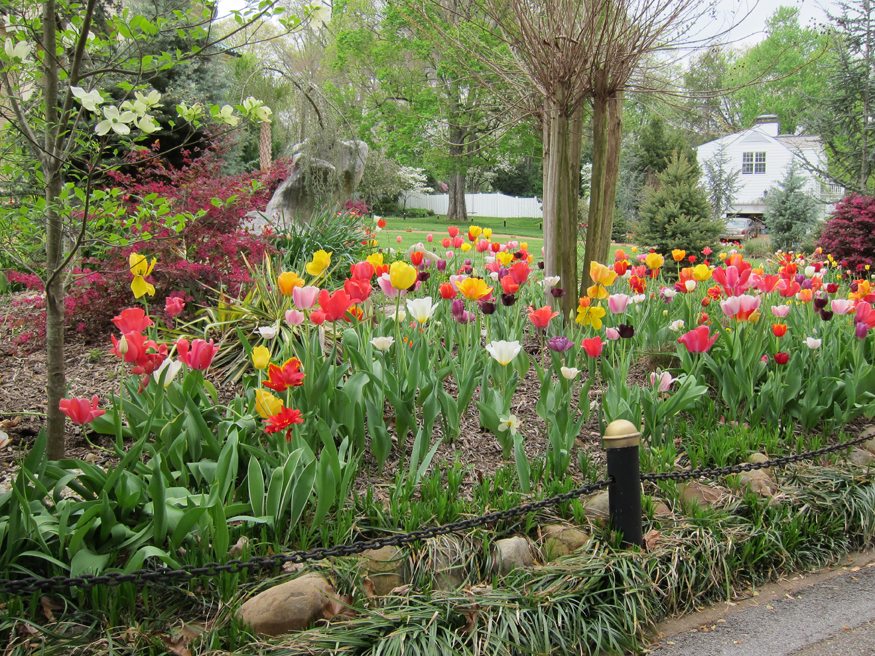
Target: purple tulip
457	307
861	330
560	343
487	307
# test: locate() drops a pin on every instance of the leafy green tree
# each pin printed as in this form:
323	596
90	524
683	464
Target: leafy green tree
790	211
676	213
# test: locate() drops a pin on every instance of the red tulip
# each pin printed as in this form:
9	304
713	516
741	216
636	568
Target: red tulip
541	317
446	243
283	421
509	285
362	270
482	246
593	346
779	329
453	231
133	320
447	291
282	378
197	355
621	267
357	289
80	411
495	246
173	306
520	271
782	358
416	258
832	288
317	317
381	223
334	305
698	340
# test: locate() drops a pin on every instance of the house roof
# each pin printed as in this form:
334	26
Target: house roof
793	141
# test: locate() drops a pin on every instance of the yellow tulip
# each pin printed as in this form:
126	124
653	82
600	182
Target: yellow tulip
504	257
466	247
402	275
266	404
677	254
590	316
597	291
376	259
473	288
654	260
321	261
524	246
260	357
701	272
287	281
141	267
601	274
487	232
474	231
634	249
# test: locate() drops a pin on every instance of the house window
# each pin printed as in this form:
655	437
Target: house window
753	163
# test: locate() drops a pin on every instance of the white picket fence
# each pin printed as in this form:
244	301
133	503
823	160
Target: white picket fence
497	205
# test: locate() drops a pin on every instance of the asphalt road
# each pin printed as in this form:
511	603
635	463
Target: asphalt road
833	617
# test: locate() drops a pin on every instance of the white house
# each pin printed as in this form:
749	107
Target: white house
762	155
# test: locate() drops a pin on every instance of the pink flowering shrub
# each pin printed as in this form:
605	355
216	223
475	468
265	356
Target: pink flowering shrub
849	234
209	253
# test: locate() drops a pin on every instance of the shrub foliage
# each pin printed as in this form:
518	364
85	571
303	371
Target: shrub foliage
849	234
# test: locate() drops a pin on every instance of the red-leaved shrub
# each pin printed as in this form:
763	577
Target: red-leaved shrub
849	234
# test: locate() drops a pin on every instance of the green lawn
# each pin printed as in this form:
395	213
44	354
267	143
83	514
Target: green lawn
439	225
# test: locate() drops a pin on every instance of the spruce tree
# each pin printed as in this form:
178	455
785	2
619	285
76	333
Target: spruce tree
676	213
790	212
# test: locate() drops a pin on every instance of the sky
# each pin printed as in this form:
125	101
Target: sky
749	31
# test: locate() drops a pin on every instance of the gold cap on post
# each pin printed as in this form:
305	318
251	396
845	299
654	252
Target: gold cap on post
619	434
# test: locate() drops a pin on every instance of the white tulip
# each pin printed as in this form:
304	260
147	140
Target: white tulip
676	326
551	281
172	367
812	343
569	372
383	343
268	332
4	440
638	298
421	309
504	352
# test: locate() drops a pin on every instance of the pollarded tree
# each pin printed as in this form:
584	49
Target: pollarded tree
676	213
790	211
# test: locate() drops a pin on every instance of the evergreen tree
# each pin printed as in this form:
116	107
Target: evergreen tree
722	182
676	213
790	211
656	145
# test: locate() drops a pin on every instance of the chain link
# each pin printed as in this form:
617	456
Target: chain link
188	572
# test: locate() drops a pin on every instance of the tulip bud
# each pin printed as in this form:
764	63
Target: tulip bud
123	345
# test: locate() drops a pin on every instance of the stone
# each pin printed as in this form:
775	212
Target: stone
287	607
562	540
510	553
861	457
385	567
597	507
757	458
758	481
869	445
703	495
448	574
661	510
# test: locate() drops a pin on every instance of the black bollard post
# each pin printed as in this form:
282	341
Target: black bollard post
621	442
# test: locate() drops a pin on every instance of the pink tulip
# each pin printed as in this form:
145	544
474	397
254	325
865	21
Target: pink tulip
457	242
386	285
294	317
80	411
305	297
612	334
198	355
617	302
449	255
173	306
841	306
781	311
662	382
429	238
698	340
398	239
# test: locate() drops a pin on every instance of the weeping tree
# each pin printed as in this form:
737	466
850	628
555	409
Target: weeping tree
568	61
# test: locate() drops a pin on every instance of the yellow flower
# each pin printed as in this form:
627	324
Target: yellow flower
590	316
504	257
677	254
473	288
601	274
466	247
524	246
722	256
474	231
597	291
701	272
402	275
487	232
654	260
754	316
376	259
260	357
321	261
287	281
634	249
266	404
141	267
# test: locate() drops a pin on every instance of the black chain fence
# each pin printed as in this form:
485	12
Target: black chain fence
187	572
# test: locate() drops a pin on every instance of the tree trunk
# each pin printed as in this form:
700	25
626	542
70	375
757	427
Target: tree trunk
612	175
596	227
56	383
562	144
456	210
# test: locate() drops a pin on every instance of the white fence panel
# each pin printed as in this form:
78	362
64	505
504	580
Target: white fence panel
497	205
